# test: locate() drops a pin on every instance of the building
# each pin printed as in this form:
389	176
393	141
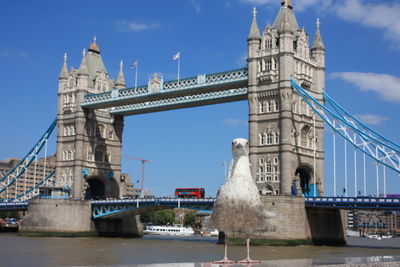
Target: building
39	170
285	136
373	221
36	172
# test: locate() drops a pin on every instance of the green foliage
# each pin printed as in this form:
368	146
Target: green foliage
9	214
162	217
190	219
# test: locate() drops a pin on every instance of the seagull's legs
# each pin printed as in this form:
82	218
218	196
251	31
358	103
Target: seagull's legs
225	260
248	259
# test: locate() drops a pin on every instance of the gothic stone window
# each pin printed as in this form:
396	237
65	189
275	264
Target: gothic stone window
262	138
304	136
270	138
69	129
268	44
269	64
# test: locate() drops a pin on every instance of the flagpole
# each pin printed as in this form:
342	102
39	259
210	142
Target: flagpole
136	70
179	65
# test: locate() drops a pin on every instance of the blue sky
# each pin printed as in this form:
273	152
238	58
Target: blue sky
186	147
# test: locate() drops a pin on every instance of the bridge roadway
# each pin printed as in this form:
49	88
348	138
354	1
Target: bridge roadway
204	89
119	207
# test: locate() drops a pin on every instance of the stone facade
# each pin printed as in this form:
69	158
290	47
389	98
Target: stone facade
88	141
283	134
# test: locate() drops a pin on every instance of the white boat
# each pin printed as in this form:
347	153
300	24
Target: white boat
209	232
168	230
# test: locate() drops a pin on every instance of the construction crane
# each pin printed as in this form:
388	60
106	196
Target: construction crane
143	162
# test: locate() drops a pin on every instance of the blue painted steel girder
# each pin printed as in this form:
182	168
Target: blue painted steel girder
370	203
13	206
186	87
187	101
106	209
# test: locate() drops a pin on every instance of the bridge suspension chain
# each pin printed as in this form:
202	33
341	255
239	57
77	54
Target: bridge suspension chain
34	190
14	174
369	142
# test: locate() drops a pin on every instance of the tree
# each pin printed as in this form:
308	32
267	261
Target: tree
162	217
190	219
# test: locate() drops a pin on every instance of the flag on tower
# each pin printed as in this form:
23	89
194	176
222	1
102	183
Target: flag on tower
134	64
178	55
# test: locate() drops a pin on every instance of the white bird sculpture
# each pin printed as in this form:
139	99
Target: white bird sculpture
238	208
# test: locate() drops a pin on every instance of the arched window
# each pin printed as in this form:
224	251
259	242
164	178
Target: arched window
262	139
276	105
268	44
276	138
269	106
269	65
304	136
261	106
270	138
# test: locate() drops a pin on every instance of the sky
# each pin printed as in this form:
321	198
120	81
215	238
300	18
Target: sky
186	148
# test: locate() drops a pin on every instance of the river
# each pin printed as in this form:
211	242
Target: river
184	251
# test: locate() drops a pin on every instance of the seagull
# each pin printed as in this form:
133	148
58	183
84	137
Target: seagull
238	208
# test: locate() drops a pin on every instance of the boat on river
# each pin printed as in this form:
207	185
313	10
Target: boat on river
168	230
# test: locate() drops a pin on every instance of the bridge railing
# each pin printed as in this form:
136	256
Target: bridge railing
200	81
372	203
120	207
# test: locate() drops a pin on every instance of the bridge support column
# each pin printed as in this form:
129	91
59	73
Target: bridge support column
58	217
327	226
121	227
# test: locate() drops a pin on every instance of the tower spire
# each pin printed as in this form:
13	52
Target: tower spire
64	69
285	26
254	31
94	47
120	83
318	43
83	69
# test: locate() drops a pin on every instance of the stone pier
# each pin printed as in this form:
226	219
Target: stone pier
61	217
294	224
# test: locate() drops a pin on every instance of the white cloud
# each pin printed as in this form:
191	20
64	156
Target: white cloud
371	119
377	14
135	26
302	5
234	122
387	86
196	6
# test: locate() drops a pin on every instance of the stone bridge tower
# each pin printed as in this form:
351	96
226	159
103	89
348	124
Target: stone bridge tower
88	141
284	145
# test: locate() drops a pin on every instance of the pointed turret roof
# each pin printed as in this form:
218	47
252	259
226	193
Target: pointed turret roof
83	68
64	69
286	11
285	26
318	43
254	31
120	82
94	47
94	62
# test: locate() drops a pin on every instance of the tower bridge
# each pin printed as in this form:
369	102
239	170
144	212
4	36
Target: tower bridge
283	83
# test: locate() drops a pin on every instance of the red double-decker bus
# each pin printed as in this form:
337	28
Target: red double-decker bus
190	192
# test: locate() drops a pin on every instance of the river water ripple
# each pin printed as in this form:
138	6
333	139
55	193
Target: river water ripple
179	251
